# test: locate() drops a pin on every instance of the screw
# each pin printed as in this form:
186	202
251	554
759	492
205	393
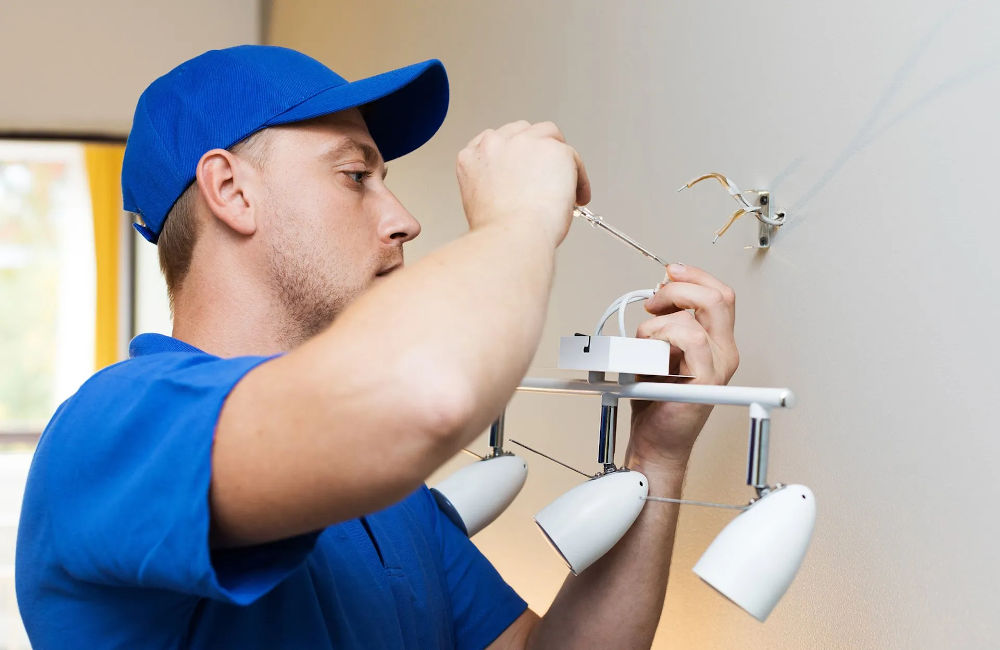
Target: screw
763	199
763	241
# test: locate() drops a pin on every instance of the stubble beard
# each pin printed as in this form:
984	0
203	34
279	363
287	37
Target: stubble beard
309	297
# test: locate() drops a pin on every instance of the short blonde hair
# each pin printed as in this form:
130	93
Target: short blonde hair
175	245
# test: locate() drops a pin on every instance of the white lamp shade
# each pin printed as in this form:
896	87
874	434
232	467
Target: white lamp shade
755	558
587	521
479	492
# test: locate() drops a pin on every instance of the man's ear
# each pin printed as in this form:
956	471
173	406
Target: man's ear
226	185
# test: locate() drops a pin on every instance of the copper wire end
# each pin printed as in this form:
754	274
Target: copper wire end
722	231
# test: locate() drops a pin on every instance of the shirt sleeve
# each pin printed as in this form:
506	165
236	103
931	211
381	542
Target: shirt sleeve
483	604
126	472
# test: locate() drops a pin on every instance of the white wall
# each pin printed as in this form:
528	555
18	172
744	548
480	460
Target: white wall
80	66
875	126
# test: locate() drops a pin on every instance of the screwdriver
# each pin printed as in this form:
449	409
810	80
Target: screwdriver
598	221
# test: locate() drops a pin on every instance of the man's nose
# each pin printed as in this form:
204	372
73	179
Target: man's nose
396	224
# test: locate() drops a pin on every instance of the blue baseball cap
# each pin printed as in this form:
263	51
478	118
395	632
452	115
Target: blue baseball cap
223	96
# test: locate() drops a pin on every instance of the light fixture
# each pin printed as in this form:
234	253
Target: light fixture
475	495
583	524
754	559
756	556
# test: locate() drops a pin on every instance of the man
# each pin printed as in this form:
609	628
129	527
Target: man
256	480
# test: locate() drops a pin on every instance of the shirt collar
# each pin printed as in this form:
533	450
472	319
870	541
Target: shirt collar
152	343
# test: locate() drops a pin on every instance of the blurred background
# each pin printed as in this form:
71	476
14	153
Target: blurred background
873	125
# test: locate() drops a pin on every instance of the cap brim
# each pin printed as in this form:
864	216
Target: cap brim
403	108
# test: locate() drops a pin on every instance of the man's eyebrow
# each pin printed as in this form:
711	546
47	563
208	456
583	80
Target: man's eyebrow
348	146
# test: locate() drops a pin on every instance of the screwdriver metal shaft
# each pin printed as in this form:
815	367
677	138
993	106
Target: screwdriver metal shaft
597	220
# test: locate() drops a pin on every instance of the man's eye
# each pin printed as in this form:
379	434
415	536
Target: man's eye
358	177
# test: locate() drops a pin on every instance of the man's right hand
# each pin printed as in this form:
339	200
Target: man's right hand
522	173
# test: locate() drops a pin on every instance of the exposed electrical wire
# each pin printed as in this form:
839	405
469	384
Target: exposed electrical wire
722	231
737	194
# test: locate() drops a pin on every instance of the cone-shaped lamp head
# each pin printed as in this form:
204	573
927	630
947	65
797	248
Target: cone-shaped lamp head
587	521
755	558
475	495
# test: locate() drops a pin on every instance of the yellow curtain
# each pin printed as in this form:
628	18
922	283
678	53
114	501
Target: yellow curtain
104	166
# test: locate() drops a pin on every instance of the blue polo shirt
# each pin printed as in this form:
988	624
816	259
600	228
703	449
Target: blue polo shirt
113	552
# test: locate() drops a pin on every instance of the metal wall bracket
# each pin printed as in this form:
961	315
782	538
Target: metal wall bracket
767	224
755	202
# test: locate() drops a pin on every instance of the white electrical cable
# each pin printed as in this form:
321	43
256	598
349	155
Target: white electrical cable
619	305
633	296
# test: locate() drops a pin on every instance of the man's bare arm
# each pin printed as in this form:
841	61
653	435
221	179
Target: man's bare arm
356	418
616	603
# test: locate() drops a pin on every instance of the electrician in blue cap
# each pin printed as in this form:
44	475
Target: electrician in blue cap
256	480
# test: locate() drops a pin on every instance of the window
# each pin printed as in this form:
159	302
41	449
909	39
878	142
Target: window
47	281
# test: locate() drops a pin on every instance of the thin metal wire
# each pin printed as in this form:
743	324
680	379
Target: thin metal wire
667	499
521	444
697	503
648	498
597	220
472	453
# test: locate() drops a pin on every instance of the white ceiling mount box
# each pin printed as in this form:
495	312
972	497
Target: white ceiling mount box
621	354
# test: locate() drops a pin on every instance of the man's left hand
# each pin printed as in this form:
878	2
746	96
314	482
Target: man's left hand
702	345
